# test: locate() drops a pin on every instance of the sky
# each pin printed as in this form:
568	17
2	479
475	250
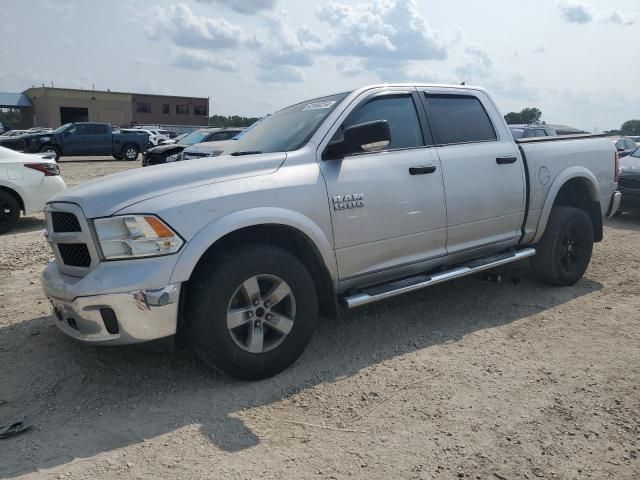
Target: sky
578	61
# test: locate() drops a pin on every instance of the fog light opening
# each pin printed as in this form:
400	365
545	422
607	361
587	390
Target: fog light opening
110	320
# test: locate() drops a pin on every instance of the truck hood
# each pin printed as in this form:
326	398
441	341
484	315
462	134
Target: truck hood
108	195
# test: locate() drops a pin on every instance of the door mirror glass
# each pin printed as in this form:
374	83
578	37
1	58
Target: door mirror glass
364	137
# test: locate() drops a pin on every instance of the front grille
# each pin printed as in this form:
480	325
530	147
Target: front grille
630	183
75	254
65	222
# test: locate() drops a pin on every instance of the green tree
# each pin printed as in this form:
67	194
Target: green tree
513	118
631	127
531	115
230	121
525	116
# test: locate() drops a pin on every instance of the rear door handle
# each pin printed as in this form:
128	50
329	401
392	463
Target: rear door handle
506	160
422	169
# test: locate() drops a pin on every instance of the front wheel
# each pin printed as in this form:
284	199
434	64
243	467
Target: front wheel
251	312
564	253
130	152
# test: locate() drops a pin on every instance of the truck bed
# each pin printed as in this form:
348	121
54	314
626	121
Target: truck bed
552	161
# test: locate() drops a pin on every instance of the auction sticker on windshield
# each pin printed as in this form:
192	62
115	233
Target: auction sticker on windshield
318	106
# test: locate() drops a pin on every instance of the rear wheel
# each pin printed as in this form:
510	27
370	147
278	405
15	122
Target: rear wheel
564	252
251	311
48	149
9	212
130	152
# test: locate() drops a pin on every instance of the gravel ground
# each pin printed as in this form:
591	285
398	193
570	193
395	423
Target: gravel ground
472	379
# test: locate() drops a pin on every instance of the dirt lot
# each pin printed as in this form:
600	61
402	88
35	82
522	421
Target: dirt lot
472	379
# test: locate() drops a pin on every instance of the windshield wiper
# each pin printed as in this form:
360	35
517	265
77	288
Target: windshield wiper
246	152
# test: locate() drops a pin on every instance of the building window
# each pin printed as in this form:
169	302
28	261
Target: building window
143	107
200	110
182	109
165	108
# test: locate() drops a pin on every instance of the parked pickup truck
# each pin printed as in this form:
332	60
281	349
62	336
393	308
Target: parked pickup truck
85	139
346	199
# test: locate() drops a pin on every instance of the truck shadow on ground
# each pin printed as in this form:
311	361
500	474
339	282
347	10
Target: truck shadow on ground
86	400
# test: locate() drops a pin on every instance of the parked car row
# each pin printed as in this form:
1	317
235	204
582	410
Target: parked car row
83	138
171	152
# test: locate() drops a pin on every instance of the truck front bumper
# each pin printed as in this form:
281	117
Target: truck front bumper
113	318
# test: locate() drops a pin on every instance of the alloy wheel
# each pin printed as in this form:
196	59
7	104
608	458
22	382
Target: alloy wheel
261	313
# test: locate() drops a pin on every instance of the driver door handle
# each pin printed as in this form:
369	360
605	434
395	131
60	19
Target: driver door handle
506	160
422	169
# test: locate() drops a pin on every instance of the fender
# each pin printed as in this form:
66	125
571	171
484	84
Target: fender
214	231
562	178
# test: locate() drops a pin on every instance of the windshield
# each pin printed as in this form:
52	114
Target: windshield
289	128
635	153
193	137
62	128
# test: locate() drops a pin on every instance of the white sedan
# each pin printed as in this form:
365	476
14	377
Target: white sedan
26	183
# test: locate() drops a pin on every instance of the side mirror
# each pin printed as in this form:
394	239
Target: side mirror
364	137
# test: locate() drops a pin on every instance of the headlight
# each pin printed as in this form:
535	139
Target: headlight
216	153
173	158
135	236
44	139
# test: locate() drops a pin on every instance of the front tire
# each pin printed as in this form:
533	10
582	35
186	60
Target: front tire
130	152
252	311
9	212
564	252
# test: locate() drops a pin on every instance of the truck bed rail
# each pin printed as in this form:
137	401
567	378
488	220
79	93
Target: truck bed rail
559	138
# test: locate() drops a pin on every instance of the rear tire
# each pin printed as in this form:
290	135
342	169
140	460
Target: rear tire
130	152
251	311
9	212
53	150
564	253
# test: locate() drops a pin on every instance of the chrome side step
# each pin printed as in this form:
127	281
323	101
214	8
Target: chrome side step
381	292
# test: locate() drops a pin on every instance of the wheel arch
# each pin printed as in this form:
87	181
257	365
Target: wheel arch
15	195
574	187
289	230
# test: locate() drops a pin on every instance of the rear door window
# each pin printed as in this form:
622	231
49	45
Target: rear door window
459	119
401	115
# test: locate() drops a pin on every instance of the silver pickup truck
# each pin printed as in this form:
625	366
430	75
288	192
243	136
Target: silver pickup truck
345	199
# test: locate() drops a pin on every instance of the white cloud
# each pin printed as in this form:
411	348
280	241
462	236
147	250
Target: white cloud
381	30
283	45
245	7
574	11
186	29
619	18
195	60
480	69
279	74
